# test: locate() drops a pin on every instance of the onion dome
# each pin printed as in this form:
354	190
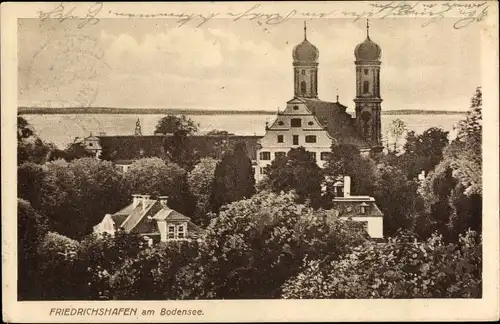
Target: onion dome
305	52
368	50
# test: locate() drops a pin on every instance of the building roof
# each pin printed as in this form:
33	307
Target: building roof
351	206
130	147
339	124
143	219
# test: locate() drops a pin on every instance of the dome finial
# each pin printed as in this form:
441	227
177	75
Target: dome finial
305	29
368	28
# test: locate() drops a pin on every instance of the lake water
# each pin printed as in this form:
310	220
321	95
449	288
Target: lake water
62	129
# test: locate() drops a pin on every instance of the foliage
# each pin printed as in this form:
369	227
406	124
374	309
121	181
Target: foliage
100	256
401	268
200	182
453	191
218	132
423	152
397	198
174	124
58	270
234	178
31	229
155	273
30	148
30	177
346	160
155	177
254	245
77	151
296	171
76	195
394	133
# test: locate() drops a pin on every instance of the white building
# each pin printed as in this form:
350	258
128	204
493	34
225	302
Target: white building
314	124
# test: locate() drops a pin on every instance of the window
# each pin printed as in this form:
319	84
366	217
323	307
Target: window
366	71
295	140
310	123
279	155
303	72
303	88
366	87
263	170
265	155
310	138
295	107
324	155
280	138
171	232
296	122
281	123
312	155
181	232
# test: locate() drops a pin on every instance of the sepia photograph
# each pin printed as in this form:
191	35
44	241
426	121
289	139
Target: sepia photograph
250	153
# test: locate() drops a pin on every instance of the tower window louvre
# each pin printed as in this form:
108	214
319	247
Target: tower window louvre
366	87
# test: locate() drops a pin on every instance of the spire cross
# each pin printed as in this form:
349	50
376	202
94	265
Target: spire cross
368	28
305	30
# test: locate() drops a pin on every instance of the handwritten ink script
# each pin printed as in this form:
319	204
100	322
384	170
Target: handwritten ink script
465	13
62	13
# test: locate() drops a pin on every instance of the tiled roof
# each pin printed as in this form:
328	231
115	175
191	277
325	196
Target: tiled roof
339	124
351	206
131	147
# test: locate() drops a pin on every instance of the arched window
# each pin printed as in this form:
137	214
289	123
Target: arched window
303	88
303	72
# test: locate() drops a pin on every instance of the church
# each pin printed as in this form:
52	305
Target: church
315	124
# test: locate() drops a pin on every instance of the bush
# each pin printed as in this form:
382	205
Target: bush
401	268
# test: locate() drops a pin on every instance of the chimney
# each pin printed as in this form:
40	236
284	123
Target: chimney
347	186
163	200
135	200
145	200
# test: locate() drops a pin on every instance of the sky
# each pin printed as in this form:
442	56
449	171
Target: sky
239	65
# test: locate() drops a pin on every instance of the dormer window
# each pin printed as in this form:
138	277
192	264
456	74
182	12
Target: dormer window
295	107
281	123
363	207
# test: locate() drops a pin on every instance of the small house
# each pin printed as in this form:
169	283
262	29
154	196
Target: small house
151	219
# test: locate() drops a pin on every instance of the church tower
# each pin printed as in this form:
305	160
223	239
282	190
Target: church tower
368	100
305	66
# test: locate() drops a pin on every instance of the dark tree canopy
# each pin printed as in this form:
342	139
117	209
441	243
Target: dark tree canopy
173	124
234	178
346	160
296	171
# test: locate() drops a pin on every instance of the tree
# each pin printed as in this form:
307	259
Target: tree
453	191
30	148
401	268
423	152
234	178
200	182
30	178
397	198
218	132
31	230
296	171
59	269
173	124
77	151
346	160
76	195
252	246
394	133
155	177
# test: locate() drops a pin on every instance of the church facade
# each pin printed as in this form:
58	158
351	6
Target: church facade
315	124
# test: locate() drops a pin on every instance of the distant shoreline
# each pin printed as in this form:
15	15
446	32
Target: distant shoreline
193	112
